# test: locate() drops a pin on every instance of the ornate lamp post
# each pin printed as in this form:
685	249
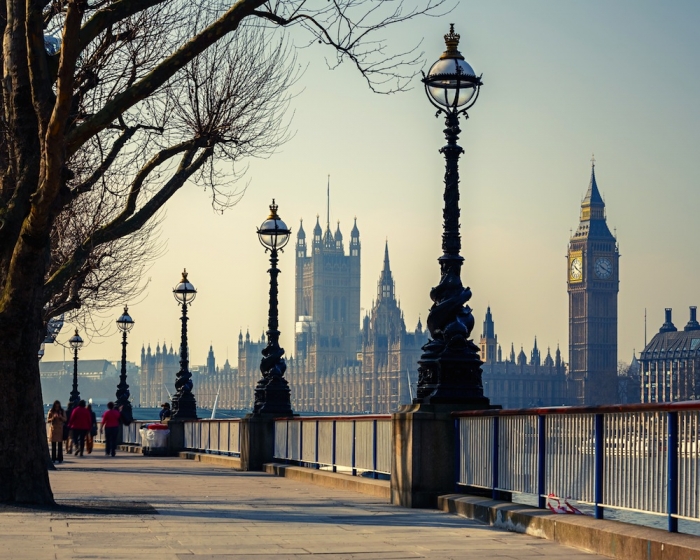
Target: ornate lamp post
125	323
272	394
449	370
184	404
75	343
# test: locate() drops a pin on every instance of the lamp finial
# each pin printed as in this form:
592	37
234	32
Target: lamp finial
273	211
452	42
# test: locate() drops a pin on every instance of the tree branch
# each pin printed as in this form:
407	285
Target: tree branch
161	73
121	226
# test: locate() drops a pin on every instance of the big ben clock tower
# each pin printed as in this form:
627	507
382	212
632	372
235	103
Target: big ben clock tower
593	283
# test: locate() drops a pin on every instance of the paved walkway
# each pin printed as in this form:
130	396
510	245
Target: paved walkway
167	508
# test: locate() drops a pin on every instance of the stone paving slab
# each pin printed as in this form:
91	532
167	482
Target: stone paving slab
173	509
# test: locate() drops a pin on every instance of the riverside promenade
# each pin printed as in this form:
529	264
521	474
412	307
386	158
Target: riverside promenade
169	508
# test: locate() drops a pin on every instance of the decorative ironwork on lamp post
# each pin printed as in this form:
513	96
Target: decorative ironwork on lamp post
184	404
125	323
75	343
272	394
449	370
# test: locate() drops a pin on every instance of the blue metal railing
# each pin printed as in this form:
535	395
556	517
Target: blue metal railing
351	444
637	458
220	437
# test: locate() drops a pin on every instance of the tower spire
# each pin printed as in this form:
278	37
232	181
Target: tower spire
385	286
387	267
593	197
328	202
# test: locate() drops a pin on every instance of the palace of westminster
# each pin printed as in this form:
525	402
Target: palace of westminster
345	363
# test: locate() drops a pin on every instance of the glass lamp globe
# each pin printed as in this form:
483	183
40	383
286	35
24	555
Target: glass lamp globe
273	233
184	292
125	323
75	341
451	82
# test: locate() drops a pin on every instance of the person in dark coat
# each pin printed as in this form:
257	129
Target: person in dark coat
90	436
80	422
67	436
165	412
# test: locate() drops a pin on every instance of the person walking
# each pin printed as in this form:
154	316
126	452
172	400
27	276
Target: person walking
110	423
56	419
89	437
80	422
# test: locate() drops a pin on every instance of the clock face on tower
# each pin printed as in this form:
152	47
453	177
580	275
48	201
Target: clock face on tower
603	268
576	269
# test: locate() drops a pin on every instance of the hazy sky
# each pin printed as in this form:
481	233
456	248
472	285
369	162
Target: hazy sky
562	80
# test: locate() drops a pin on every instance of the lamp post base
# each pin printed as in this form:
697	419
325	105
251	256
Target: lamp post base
275	398
451	377
184	407
420	433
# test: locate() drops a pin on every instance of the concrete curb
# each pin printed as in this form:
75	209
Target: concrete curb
371	487
607	538
220	460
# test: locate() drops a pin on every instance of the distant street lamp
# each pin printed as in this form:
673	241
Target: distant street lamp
272	394
75	343
125	323
449	370
184	404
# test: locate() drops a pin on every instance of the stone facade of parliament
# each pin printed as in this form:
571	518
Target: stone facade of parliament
341	363
336	366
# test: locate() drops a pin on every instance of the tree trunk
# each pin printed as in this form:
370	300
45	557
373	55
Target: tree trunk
24	449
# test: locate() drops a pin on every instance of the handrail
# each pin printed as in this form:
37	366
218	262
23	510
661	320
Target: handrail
644	407
345	418
357	444
639	458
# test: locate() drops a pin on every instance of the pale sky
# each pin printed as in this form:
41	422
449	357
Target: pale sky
562	80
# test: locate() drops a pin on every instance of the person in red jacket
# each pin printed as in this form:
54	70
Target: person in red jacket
110	423
80	422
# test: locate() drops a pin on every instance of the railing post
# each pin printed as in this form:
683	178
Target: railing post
599	462
542	461
286	443
318	465
374	449
672	451
333	445
301	442
354	470
456	458
494	459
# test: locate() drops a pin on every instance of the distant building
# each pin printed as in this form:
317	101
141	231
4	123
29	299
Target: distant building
389	353
158	372
337	366
593	283
516	382
670	363
97	379
628	381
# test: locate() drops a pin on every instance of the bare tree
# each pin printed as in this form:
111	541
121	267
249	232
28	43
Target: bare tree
101	128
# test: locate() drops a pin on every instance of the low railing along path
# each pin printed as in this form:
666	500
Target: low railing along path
133	506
